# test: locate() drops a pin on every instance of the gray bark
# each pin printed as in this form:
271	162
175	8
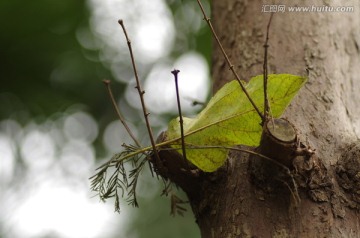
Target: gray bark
316	195
326	114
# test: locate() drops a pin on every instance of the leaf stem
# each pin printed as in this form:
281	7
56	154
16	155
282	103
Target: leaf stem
175	72
231	66
116	107
141	92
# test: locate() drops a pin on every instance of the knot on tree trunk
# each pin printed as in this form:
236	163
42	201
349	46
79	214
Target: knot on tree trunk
348	171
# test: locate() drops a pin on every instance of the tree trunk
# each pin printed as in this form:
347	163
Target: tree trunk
319	194
326	113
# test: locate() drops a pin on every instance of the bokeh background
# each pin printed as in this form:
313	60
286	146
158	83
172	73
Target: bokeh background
57	123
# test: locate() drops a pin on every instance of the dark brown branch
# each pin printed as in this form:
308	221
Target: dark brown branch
121	118
141	92
231	66
175	72
265	70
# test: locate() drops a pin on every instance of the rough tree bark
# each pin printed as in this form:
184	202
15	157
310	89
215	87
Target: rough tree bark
238	200
326	114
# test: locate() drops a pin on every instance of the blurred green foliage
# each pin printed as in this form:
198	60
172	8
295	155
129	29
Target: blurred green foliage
44	70
43	67
199	40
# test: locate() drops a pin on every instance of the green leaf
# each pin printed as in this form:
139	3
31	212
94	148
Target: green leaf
229	118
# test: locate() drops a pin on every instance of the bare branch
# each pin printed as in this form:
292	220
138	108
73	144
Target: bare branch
175	72
141	92
265	71
117	109
231	66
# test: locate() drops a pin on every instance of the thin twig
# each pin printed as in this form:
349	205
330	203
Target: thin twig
231	66
121	118
265	70
141	92
194	102
175	72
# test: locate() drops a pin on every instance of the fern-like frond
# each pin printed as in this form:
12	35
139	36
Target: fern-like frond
120	181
